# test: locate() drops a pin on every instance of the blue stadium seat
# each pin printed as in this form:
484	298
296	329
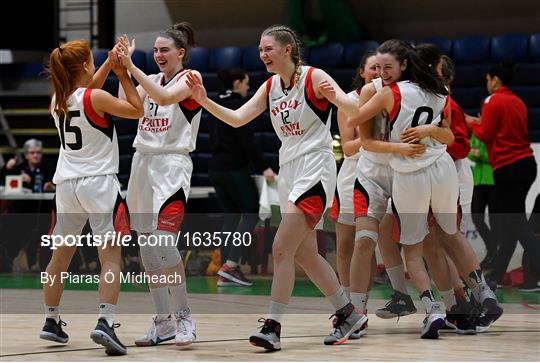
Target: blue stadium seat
444	44
467	75
326	56
510	47
530	95
353	52
100	56
226	57
471	49
469	97
203	142
251	60
34	69
527	74
151	65
199	59
343	77
534	47
139	59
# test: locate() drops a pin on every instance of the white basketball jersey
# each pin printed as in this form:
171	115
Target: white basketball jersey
381	131
89	146
301	121
355	96
412	107
168	129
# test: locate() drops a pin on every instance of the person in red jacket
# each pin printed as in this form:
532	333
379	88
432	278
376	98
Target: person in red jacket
503	126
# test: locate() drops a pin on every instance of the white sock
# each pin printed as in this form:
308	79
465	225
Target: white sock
231	264
52	312
339	299
160	296
397	278
107	311
179	297
276	311
359	300
347	291
428	300
448	298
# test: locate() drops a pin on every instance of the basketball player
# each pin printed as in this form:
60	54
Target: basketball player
342	211
86	183
298	98
160	178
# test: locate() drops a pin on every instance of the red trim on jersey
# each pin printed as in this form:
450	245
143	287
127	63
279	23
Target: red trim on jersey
334	211
101	121
190	104
320	103
268	85
313	209
447	107
170	217
360	200
121	219
397	102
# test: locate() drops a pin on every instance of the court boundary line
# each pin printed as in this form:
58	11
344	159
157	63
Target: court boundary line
243	339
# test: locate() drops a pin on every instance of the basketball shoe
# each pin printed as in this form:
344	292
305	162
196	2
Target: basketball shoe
269	335
345	325
53	331
399	305
433	321
163	329
104	335
233	274
185	328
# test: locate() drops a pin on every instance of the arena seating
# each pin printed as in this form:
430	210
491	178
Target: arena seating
473	56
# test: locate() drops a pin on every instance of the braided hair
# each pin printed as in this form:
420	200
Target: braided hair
285	35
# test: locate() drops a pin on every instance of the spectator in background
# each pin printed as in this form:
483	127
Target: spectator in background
233	149
36	175
28	219
503	126
484	195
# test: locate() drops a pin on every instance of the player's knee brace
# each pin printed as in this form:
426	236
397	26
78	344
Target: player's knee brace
167	249
365	233
150	258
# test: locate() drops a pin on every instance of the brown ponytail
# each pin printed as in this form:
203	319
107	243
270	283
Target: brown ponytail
285	35
66	65
182	35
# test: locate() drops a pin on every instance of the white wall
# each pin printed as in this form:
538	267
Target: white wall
142	20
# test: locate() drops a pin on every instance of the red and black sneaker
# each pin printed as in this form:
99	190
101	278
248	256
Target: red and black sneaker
232	274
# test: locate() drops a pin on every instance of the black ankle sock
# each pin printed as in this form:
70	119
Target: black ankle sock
346	310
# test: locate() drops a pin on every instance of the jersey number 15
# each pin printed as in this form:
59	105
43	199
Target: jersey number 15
65	126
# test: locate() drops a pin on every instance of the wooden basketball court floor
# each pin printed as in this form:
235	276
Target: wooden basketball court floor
225	321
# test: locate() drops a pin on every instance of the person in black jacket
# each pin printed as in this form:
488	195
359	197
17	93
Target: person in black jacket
233	150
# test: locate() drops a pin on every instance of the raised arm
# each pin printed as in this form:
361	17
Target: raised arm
379	102
131	107
236	118
325	87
